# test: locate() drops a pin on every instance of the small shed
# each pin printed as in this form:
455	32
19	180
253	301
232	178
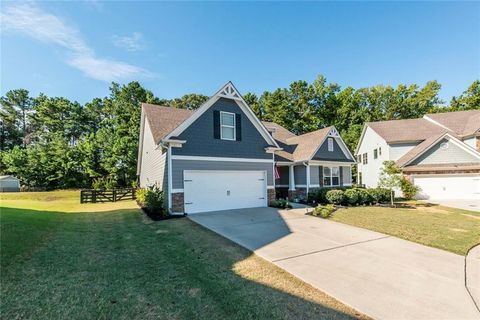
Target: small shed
9	184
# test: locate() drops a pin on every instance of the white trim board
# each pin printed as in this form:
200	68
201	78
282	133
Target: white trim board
199	158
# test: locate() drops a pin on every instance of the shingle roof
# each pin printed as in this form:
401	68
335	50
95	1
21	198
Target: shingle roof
406	130
163	120
279	133
418	150
307	144
462	123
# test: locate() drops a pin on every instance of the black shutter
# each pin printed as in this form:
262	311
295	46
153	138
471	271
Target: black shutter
216	124
238	126
320	175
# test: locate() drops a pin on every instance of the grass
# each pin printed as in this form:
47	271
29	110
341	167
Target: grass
60	259
445	228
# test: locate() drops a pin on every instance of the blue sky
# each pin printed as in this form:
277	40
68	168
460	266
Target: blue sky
74	49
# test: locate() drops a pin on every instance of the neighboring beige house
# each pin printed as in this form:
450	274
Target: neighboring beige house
439	153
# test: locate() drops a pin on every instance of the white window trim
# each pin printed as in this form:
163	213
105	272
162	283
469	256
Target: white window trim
228	126
330	144
331	176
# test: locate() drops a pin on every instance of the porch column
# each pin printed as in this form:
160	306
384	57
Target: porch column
291	180
308	177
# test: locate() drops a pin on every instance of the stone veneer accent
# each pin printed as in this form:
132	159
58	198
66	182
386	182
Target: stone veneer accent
271	195
177	202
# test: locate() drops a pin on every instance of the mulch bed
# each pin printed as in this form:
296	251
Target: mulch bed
157	215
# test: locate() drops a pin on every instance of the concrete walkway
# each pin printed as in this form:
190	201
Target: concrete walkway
379	275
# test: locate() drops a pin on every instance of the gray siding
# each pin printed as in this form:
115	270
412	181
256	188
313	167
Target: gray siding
314	175
437	155
179	165
200	140
336	154
300	173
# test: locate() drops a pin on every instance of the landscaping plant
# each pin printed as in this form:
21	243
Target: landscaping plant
409	190
335	196
323	211
281	204
390	177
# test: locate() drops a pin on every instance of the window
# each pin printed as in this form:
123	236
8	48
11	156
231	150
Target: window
360	178
330	144
227	125
380	151
331	176
359	158
375	154
365	159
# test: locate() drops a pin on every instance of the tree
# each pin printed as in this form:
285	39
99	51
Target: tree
468	100
390	177
16	106
190	101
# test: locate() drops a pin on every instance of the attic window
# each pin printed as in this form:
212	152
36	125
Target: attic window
330	144
227	125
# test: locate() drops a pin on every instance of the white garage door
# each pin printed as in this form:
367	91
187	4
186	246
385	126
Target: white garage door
441	187
222	190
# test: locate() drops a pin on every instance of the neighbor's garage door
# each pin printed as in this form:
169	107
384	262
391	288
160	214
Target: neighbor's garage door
222	190
448	187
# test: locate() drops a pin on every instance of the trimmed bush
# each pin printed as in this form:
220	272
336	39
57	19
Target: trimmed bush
351	196
335	196
154	199
363	196
323	211
320	195
409	190
281	203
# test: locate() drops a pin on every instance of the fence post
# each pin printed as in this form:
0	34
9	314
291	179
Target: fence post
114	195
81	196
94	196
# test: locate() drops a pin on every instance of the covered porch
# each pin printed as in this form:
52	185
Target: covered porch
297	179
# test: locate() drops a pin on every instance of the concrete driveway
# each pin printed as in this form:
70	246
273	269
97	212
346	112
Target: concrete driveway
472	205
379	275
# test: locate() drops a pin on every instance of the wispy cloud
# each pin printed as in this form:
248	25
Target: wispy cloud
130	43
43	26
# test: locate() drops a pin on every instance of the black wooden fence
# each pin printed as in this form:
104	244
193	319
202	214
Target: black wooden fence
110	195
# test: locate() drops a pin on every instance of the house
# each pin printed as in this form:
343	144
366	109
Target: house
221	156
439	153
9	184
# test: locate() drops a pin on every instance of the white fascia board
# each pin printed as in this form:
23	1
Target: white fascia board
330	163
234	95
198	158
140	141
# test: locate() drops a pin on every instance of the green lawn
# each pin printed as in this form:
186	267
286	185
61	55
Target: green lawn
63	260
445	228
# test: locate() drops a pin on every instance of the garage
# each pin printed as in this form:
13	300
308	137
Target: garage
448	186
223	190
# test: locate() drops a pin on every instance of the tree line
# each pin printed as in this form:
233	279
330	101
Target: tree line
52	142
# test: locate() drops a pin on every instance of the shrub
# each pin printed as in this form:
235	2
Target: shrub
320	195
281	203
154	199
323	211
352	196
335	196
140	194
104	183
409	190
379	195
363	196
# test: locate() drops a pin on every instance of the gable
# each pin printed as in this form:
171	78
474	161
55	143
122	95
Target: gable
441	155
337	153
201	142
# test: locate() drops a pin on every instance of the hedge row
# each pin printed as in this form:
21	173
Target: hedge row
349	196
